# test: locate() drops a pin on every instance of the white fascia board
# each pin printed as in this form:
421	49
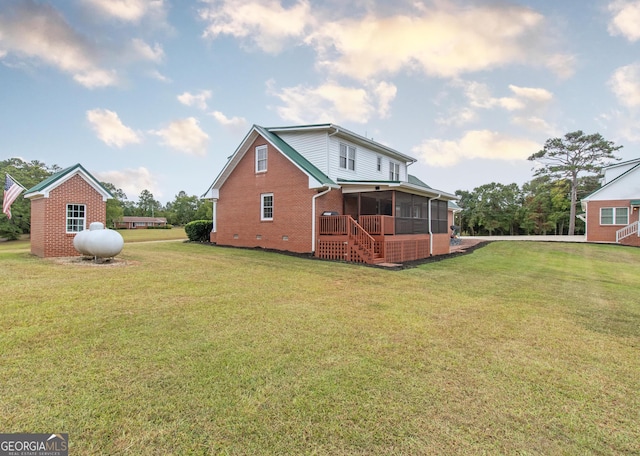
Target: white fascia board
44	193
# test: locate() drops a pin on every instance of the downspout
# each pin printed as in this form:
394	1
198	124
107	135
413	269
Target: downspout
313	218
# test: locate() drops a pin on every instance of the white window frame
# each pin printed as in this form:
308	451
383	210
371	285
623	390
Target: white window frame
347	157
615	215
263	206
394	171
379	163
261	161
74	222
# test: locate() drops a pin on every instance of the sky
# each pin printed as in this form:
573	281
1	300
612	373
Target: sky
157	94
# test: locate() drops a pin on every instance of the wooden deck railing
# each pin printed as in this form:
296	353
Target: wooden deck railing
378	224
333	224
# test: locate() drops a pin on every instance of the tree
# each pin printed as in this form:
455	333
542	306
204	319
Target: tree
147	205
27	174
571	155
115	205
183	209
492	207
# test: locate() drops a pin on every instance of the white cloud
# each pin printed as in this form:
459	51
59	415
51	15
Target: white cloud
332	102
385	93
129	10
625	84
131	181
441	39
537	124
266	23
185	136
444	41
626	19
39	33
110	128
155	74
529	102
198	100
459	117
475	144
146	52
234	123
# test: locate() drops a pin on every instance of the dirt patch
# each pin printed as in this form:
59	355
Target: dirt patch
82	261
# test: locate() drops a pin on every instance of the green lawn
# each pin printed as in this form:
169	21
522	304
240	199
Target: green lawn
518	348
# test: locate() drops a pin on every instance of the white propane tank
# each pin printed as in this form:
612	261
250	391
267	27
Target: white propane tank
98	241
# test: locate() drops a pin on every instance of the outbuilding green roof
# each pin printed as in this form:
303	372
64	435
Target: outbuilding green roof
51	180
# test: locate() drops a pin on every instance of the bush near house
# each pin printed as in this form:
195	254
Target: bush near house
198	230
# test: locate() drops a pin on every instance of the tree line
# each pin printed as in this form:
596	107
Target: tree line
183	209
566	170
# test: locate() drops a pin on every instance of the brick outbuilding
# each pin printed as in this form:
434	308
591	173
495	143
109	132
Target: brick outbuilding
63	205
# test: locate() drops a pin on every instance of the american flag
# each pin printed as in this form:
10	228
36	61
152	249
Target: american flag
11	191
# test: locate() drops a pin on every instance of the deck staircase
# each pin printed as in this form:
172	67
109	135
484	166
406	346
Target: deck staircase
627	231
362	244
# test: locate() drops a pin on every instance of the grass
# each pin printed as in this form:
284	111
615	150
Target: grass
519	348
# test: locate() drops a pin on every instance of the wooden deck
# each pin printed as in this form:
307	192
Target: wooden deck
372	241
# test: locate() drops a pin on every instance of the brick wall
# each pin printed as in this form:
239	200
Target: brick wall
238	209
37	226
441	244
605	233
49	216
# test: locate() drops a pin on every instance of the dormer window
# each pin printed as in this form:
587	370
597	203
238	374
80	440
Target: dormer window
347	157
394	171
261	159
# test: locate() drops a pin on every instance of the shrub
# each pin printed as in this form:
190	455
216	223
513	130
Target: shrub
199	230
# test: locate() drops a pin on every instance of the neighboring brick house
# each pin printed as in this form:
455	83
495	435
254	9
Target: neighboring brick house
326	190
611	212
130	222
61	206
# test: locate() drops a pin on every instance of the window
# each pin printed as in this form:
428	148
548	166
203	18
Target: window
75	218
614	216
394	171
347	157
379	164
266	206
261	159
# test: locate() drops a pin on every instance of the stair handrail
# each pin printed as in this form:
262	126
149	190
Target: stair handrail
361	237
627	231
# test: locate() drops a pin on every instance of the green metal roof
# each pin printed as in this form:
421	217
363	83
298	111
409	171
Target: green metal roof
59	175
295	156
415	181
635	202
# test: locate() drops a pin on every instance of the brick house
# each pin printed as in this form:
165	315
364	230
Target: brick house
62	205
325	190
130	222
611	212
